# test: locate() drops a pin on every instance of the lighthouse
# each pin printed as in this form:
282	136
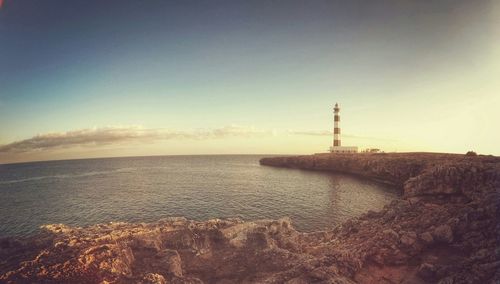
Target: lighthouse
337	145
336	127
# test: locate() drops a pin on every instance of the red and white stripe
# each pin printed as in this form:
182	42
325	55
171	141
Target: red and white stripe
336	127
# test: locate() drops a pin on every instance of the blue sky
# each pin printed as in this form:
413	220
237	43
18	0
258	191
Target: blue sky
410	76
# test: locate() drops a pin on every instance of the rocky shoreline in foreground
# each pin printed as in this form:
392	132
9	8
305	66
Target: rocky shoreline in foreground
444	229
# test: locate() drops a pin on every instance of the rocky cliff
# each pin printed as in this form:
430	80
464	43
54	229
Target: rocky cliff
445	229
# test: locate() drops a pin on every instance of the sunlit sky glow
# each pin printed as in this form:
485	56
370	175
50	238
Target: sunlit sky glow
83	79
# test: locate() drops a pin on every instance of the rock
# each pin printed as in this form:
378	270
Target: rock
443	233
408	239
427	272
481	254
398	257
170	261
427	238
390	215
414	200
391	234
446	280
153	278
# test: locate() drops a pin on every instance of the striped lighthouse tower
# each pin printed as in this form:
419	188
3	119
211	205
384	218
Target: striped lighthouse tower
336	127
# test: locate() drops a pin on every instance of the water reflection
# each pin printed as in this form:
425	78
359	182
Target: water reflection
353	196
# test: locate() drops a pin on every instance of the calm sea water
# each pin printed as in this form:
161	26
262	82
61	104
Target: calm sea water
145	189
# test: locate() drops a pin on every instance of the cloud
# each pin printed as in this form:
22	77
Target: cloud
116	135
136	134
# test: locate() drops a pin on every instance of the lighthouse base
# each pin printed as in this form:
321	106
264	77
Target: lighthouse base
343	149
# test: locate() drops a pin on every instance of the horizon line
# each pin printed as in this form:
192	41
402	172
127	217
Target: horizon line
258	154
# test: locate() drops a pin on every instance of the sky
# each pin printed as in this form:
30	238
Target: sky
93	78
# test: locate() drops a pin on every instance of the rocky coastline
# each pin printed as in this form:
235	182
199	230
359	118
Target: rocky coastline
444	229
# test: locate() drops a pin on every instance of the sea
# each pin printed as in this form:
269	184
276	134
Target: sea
146	189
